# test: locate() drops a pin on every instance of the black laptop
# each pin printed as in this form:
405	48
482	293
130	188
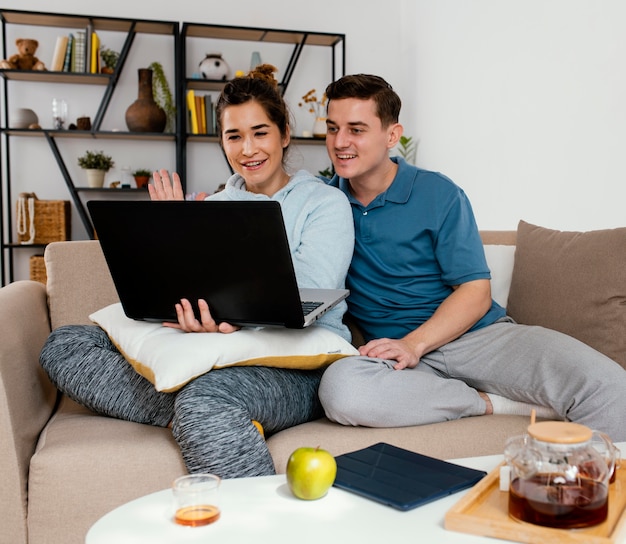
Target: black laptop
401	478
234	255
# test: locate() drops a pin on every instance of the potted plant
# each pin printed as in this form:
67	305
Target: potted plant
163	94
318	108
109	58
407	148
142	177
97	164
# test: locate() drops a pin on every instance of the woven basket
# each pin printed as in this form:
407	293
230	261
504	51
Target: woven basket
38	269
42	221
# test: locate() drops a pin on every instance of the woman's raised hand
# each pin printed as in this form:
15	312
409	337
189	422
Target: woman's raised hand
162	188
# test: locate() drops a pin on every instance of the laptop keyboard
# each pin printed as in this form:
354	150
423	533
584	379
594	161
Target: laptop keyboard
308	306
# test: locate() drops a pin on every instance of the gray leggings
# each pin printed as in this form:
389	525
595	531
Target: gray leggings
211	416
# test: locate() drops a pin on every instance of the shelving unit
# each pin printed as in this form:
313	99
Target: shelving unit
130	28
294	42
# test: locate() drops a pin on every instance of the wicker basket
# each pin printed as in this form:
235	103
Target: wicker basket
42	221
38	269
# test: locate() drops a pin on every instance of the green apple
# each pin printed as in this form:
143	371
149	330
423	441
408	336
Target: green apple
310	472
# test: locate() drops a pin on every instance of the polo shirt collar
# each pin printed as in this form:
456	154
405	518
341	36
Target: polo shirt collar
398	192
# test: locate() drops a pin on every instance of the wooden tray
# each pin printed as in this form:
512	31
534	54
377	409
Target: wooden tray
484	511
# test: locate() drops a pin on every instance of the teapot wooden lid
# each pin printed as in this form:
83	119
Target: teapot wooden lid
560	432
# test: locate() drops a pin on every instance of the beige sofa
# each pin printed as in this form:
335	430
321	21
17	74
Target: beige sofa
62	467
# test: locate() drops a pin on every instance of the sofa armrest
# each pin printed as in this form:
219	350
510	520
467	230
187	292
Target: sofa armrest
27	397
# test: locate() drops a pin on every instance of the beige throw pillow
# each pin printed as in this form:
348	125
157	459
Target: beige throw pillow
573	282
169	358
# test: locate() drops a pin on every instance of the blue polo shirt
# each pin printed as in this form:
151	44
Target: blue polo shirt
413	243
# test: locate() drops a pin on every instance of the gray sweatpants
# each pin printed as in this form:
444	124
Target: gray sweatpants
211	416
523	363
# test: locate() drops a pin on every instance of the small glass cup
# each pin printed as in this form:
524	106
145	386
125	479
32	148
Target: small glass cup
196	499
59	113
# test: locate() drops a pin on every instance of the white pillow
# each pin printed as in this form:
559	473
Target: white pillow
500	259
170	358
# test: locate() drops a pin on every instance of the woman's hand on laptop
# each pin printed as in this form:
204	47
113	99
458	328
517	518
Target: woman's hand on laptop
187	320
162	188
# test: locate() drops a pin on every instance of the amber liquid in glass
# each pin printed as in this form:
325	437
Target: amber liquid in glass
543	501
197	515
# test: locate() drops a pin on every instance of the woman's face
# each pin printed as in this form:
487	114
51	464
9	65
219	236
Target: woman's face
254	147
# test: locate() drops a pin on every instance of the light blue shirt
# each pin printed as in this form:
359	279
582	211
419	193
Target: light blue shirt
319	226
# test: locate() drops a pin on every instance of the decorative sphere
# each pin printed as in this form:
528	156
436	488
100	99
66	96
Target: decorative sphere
23	118
213	66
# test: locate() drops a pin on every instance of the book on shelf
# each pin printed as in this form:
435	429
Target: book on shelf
58	58
67	62
193	114
209	114
88	36
200	114
79	52
95	54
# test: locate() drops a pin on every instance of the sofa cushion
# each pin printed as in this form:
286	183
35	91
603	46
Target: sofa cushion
169	358
500	259
446	440
86	465
573	282
79	281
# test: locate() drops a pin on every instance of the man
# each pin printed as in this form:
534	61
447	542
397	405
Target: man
437	346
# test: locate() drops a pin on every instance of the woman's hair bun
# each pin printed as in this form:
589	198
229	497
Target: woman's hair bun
264	72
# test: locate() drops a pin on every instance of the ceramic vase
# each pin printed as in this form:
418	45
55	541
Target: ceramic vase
144	114
319	127
23	118
95	178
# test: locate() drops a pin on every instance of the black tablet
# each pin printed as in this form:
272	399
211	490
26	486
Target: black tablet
401	478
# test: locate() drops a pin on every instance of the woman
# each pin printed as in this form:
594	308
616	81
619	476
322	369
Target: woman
212	417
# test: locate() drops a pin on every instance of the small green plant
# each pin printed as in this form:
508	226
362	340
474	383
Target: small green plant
163	94
407	148
109	57
96	160
328	172
142	172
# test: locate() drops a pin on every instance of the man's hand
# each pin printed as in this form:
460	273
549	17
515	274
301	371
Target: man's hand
187	320
401	351
459	312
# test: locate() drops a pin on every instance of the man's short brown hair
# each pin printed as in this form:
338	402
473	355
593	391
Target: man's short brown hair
364	87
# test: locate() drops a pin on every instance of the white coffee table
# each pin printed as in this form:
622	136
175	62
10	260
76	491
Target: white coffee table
263	510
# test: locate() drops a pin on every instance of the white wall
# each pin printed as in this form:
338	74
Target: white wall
522	103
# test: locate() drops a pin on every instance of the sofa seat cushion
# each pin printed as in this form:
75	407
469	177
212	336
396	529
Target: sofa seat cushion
86	465
447	440
572	282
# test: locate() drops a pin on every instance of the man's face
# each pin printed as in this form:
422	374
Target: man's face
356	141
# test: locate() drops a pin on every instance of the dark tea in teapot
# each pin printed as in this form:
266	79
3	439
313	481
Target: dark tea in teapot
560	475
543	500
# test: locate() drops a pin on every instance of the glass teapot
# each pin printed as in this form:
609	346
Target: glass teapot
560	475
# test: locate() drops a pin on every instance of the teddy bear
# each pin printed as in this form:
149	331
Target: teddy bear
25	59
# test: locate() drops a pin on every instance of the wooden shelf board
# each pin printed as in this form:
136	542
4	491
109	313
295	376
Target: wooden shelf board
46	76
100	135
261	35
81	21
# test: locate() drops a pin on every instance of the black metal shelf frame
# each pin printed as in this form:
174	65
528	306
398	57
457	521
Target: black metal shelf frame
298	40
